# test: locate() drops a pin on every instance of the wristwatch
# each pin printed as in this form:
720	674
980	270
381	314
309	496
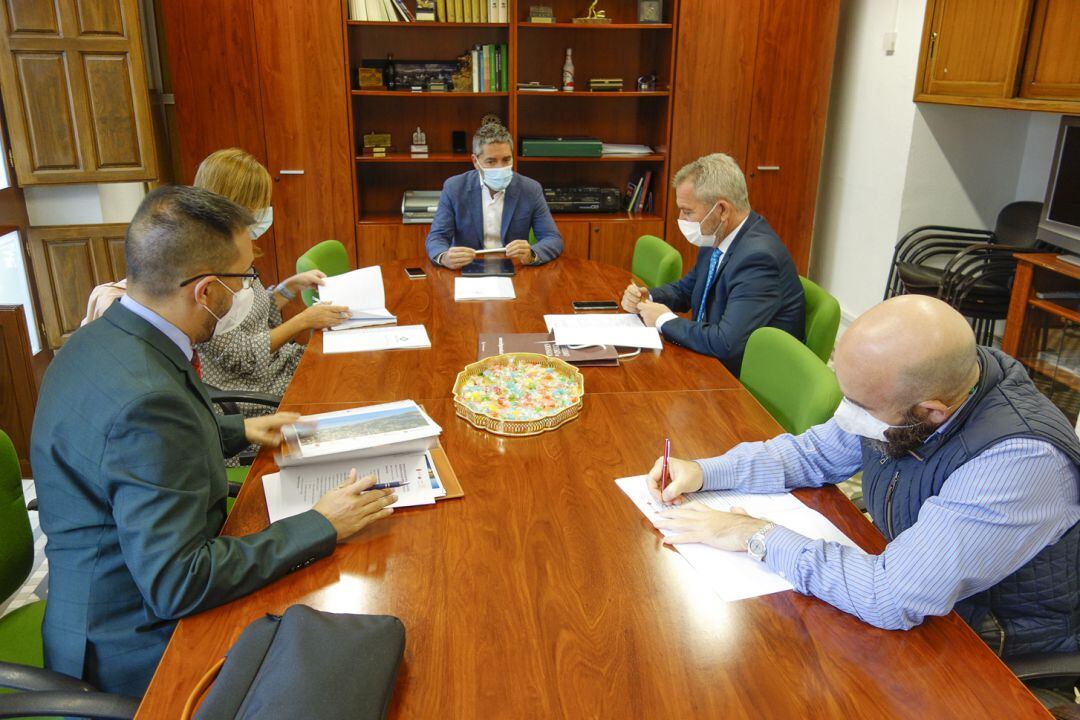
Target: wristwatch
755	546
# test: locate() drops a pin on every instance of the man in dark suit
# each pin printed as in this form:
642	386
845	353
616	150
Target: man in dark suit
744	277
129	456
492	208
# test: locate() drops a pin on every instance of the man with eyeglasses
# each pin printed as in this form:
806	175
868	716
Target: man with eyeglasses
129	456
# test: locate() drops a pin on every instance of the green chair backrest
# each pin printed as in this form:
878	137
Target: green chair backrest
16	538
329	256
532	236
656	262
822	319
789	380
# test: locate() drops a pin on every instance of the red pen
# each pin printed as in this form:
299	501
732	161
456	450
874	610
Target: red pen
664	468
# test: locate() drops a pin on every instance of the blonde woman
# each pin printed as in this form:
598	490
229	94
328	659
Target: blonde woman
255	349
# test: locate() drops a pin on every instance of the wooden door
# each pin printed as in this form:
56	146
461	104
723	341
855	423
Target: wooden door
18	386
714	78
210	50
305	93
973	48
74	82
790	101
1052	64
68	261
613	242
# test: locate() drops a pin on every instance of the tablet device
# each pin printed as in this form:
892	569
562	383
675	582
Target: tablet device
489	267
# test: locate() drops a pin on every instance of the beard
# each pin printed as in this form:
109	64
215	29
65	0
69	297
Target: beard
903	439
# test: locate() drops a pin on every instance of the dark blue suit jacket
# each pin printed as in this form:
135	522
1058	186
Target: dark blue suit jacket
460	217
756	285
129	462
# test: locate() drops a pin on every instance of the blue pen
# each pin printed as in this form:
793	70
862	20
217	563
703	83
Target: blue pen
390	485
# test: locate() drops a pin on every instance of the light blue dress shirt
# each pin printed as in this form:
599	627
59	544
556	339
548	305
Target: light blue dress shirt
993	515
170	331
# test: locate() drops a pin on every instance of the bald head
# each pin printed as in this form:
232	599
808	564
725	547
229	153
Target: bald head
905	351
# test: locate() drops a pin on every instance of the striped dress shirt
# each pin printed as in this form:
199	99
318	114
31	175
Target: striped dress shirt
993	515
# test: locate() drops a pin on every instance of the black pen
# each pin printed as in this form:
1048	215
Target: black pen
389	485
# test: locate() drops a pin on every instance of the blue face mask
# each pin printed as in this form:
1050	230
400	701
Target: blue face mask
497	178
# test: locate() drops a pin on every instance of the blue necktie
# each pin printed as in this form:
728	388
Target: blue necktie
714	262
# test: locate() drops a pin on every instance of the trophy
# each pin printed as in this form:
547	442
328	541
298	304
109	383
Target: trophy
593	16
419	147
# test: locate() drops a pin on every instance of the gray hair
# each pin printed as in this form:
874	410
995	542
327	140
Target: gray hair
488	134
715	176
178	232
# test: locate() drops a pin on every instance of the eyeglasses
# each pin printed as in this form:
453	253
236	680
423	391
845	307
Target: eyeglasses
249	277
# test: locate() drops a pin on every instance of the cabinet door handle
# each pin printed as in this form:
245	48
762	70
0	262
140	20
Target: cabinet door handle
291	172
773	168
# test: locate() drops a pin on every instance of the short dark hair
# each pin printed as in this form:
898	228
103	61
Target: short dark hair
488	134
180	231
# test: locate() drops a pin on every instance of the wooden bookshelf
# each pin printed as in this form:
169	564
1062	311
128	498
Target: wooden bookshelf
625	117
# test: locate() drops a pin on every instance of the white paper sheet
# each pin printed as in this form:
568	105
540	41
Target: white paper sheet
735	575
639	337
404	337
361	291
297	489
593	320
483	288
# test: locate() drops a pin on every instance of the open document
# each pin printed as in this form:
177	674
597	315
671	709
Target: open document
735	575
362	292
483	288
291	493
395	428
402	337
621	329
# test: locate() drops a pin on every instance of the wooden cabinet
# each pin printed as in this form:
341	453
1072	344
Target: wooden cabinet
269	76
68	261
613	242
1052	66
74	82
384	242
1016	54
576	238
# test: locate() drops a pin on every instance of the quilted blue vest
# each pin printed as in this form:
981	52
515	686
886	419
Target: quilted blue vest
1037	608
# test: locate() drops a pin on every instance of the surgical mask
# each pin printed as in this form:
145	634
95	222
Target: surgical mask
497	178
243	300
691	230
855	420
263	220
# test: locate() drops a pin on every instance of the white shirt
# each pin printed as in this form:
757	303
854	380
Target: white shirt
492	207
722	249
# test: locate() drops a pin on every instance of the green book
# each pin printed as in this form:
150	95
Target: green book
504	77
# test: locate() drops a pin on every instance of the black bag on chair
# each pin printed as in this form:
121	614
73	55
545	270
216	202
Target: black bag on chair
306	663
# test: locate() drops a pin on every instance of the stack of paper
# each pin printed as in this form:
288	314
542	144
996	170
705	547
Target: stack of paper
621	329
735	575
405	337
483	288
362	292
616	149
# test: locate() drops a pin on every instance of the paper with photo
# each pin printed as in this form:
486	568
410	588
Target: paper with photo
735	575
402	337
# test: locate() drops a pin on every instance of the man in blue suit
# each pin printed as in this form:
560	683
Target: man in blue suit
744	277
492	208
129	456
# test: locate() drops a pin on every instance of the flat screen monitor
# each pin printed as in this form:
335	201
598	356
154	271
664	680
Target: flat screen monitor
1060	221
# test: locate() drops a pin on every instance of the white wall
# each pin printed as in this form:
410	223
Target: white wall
83	204
891	165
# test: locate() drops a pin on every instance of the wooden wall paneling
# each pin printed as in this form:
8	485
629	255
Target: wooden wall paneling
796	45
74	78
973	48
302	64
716	50
67	262
1052	64
18	386
613	242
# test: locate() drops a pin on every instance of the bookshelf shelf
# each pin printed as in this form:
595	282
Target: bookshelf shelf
654	157
595	26
403	158
442	25
596	95
426	95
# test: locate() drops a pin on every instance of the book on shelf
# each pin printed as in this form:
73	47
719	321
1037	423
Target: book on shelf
504	15
474	55
440	11
504	69
375	10
480	10
645	191
489	68
390	10
357	10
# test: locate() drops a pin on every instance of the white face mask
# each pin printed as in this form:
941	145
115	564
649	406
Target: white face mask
691	230
857	421
263	220
243	300
497	178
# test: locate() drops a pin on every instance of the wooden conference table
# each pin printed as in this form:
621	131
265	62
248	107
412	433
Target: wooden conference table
544	592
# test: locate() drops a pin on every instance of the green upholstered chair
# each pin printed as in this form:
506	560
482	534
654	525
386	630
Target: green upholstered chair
329	256
789	380
37	691
655	262
822	319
